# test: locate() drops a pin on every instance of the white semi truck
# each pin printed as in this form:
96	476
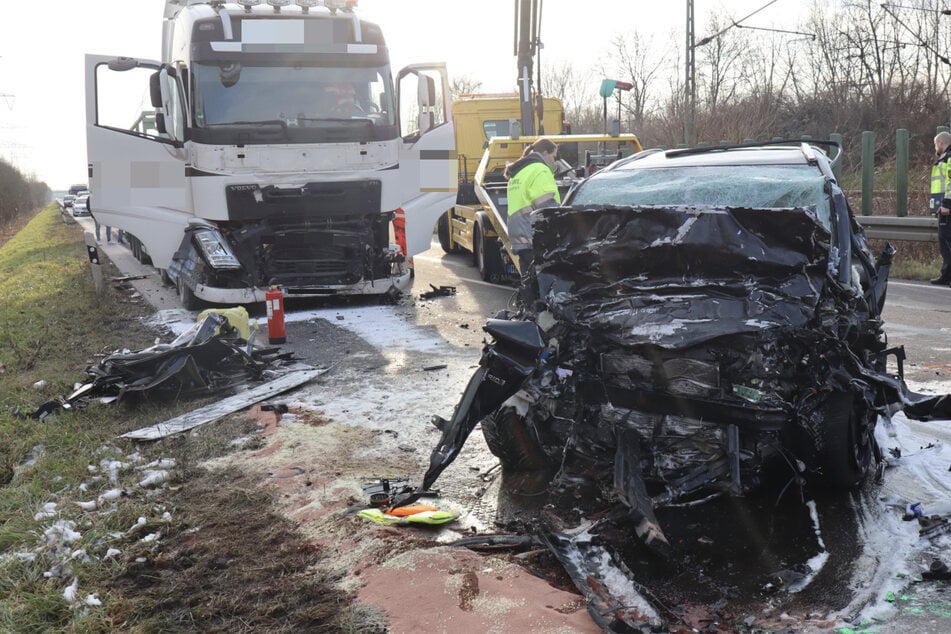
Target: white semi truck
271	146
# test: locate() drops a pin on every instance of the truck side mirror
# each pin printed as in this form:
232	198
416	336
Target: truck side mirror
155	89
426	93
160	123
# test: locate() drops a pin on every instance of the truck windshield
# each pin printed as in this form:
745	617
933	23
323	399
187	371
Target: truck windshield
248	104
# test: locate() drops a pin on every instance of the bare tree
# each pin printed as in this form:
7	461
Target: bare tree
464	85
638	61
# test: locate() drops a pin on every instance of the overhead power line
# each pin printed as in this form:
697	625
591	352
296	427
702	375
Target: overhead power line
921	42
710	38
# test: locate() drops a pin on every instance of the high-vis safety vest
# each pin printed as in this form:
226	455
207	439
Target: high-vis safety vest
940	181
531	186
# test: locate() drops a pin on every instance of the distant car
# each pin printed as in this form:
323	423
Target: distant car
81	206
68	201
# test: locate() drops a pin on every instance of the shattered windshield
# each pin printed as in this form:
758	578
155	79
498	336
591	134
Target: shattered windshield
240	103
757	186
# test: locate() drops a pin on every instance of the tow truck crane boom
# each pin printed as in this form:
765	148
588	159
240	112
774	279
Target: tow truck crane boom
527	24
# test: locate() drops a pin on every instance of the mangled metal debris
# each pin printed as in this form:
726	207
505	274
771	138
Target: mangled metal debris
216	411
209	358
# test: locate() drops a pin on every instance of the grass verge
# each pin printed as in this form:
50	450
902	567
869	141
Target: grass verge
87	542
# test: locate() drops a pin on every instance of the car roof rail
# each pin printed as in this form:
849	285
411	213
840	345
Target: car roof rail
803	144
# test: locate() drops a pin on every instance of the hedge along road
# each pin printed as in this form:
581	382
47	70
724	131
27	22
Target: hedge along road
381	355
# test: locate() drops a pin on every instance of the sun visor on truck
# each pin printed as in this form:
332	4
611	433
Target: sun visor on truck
289	37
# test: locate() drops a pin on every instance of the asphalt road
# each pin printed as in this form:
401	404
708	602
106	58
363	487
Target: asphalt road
379	379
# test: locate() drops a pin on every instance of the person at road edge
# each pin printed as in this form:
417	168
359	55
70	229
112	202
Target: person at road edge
941	202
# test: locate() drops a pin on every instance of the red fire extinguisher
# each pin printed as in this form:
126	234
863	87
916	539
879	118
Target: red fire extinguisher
274	298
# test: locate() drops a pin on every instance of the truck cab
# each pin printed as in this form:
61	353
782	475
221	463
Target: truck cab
274	148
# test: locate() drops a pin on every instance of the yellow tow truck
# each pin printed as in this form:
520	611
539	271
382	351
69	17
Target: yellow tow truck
478	119
477	222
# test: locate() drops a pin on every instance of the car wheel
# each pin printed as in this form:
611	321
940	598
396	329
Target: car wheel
847	446
186	296
514	441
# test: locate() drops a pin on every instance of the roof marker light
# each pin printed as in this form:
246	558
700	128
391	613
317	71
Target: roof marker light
306	5
277	4
247	4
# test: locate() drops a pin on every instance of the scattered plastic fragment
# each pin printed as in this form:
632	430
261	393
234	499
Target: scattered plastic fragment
914	511
933	526
440	291
380	489
938	571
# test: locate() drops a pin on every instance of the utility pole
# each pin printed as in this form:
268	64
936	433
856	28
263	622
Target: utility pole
690	83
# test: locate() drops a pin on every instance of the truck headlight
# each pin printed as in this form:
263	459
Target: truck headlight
215	249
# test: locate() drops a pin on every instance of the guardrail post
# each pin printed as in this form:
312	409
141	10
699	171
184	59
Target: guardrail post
902	144
837	169
868	170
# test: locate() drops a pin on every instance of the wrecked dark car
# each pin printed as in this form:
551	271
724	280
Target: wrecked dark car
692	319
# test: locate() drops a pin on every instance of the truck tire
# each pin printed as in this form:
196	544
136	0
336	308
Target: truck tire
490	259
478	253
442	230
186	296
135	245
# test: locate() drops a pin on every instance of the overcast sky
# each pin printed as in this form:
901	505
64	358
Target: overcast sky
42	44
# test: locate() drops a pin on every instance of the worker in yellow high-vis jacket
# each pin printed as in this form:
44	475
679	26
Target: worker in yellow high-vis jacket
531	186
941	202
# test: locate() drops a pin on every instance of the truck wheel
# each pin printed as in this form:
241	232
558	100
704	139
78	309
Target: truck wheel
443	231
492	269
478	250
514	441
139	253
186	296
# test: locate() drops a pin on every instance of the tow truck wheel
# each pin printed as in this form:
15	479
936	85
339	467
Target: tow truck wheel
478	250
491	266
186	296
442	230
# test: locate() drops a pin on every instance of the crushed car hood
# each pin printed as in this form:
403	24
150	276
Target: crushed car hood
678	276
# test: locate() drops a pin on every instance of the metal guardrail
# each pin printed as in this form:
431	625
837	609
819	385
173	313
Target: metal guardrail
916	229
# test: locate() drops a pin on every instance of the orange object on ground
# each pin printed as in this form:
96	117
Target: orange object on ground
412	509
